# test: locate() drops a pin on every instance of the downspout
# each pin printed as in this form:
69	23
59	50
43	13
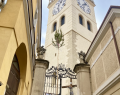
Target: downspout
39	22
116	46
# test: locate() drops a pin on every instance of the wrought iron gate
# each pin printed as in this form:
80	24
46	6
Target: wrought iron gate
51	79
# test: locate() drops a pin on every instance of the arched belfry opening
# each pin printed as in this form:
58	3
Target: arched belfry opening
17	74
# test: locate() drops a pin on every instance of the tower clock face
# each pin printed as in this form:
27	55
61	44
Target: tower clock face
84	6
58	6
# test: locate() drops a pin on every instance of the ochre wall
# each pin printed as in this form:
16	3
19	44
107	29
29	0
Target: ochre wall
13	40
106	63
34	6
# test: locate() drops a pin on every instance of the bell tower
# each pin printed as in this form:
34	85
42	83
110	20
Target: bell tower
76	19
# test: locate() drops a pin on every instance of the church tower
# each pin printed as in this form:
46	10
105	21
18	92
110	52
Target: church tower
76	19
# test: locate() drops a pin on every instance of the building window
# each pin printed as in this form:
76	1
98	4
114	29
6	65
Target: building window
80	20
54	26
62	20
88	26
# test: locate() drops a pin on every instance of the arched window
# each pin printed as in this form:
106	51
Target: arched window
88	26
80	20
54	26
62	20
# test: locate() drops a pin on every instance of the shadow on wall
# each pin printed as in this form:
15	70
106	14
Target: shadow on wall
21	54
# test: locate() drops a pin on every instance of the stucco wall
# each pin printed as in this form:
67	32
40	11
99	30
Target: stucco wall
104	61
13	33
76	36
115	90
71	11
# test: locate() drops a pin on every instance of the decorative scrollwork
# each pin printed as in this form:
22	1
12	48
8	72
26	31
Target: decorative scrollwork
62	72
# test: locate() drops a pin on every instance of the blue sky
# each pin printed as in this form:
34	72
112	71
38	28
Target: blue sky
101	9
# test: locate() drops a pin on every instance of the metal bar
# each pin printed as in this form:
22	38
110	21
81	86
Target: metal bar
60	85
70	82
116	46
49	85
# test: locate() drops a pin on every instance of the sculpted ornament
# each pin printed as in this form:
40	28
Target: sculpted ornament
41	51
82	57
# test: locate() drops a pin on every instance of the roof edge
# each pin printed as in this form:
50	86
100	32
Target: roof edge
111	7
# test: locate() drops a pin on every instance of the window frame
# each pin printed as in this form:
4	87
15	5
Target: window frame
88	25
62	20
80	19
54	26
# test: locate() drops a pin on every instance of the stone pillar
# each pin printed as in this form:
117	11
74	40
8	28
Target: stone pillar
39	77
83	79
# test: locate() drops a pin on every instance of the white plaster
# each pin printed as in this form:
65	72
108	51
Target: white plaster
104	48
110	17
117	30
110	81
101	52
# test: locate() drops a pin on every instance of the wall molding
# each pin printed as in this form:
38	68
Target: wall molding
113	13
101	52
111	81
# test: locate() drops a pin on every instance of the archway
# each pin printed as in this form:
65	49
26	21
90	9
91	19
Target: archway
21	54
14	78
18	72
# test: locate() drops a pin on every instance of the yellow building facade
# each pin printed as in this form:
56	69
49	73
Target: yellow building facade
17	40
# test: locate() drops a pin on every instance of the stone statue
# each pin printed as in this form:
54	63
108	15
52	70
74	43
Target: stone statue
41	51
82	57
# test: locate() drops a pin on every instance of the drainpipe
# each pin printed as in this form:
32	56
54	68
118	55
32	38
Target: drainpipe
116	46
39	22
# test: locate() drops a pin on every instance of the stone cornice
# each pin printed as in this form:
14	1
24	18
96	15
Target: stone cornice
91	2
79	66
42	62
52	3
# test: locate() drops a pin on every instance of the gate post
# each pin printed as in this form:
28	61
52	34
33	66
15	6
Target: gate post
83	78
39	76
